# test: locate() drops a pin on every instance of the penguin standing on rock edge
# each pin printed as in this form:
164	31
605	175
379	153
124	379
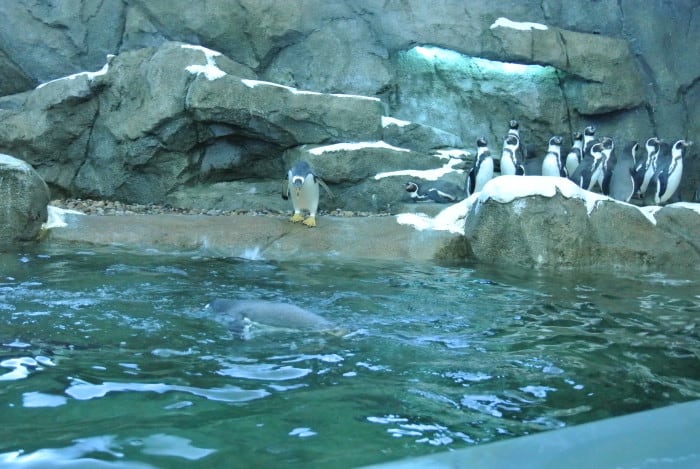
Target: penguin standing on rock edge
551	165
573	158
669	171
482	171
646	168
589	170
303	187
623	183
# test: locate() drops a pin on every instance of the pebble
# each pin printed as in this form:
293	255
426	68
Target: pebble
111	208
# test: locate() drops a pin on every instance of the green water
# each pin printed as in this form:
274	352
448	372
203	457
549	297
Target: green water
108	358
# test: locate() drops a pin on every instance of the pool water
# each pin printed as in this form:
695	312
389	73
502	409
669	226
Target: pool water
108	358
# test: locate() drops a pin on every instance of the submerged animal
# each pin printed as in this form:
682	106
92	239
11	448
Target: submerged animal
303	186
242	316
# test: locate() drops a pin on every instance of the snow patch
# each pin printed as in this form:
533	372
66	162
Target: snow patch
387	121
255	83
210	70
10	162
57	217
427	174
354	146
519	25
90	75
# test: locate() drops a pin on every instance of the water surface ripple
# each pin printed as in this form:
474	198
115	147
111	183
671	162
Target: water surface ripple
109	359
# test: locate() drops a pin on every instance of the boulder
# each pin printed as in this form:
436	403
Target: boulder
417	137
23	200
169	116
549	222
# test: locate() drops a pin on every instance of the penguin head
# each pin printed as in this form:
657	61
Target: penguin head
608	143
513	124
512	140
555	141
589	131
679	148
577	136
481	142
411	186
597	150
652	145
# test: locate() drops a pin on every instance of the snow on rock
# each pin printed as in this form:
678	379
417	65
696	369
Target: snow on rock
354	146
211	71
519	25
90	75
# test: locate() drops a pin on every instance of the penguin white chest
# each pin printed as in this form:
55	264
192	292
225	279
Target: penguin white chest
550	165
675	173
485	174
305	195
508	163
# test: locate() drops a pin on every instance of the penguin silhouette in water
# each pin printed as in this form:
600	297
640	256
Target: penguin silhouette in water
482	171
588	171
573	158
646	167
552	162
623	183
303	187
669	170
442	192
607	165
512	160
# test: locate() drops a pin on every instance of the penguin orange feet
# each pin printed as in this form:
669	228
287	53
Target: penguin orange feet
296	218
310	221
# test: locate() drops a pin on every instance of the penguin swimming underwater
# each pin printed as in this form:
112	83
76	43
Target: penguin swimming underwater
442	192
669	171
646	168
587	172
303	185
482	171
551	165
623	183
573	158
240	316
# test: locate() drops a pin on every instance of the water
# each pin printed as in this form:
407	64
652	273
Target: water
109	359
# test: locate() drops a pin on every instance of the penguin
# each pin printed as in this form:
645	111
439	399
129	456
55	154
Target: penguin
646	168
482	171
551	164
607	165
623	183
588	139
669	171
587	172
512	156
573	158
303	185
442	192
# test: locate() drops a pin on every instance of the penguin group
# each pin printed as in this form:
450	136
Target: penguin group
652	174
592	163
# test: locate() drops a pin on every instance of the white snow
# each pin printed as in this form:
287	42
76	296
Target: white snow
427	174
521	26
687	205
211	71
354	146
506	188
387	121
254	83
90	75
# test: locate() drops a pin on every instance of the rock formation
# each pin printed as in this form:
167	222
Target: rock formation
23	201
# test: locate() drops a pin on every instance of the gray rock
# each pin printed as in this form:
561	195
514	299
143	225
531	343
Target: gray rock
561	230
418	137
23	201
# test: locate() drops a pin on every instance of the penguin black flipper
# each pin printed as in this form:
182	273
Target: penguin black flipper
471	180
